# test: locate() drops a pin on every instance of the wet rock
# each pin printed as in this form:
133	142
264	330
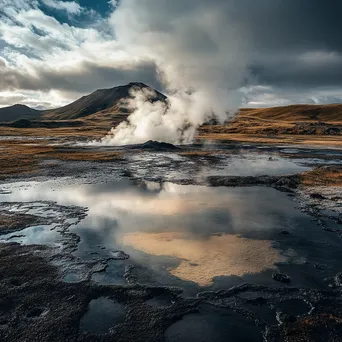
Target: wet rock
286	183
49	309
35	312
283	317
336	198
16	236
330	230
338	279
284	232
15	221
119	255
283	278
158	146
129	276
290	182
320	267
316	195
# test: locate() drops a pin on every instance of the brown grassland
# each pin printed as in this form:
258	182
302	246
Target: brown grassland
322	176
298	124
24	158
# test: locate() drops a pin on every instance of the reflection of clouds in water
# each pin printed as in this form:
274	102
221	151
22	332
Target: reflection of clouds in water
257	165
34	235
202	260
169	207
142	215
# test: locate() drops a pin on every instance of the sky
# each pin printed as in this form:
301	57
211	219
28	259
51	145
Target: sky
253	53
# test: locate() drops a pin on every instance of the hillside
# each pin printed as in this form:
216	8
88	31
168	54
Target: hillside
295	113
105	105
17	112
306	120
102	100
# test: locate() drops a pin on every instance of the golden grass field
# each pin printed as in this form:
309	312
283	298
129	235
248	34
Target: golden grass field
23	158
323	176
262	125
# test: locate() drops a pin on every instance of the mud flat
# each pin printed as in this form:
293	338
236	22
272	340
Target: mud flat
108	244
41	306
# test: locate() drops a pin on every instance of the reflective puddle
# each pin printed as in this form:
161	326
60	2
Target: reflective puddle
183	235
102	315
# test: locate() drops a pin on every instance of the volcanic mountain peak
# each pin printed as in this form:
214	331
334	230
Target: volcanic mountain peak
104	101
101	100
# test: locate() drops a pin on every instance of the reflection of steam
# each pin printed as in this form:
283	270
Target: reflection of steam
202	260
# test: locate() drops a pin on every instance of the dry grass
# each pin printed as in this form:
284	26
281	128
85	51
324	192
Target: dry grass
325	176
19	158
65	132
294	113
16	221
333	141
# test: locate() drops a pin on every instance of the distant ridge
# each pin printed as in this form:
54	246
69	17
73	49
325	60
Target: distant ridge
17	112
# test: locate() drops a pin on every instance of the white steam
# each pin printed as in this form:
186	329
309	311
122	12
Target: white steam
201	57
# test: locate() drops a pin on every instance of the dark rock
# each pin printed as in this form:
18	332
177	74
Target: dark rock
338	279
285	232
46	308
316	195
159	146
119	255
129	276
288	182
283	278
336	198
330	230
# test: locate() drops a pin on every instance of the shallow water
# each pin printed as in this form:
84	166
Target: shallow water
194	237
213	324
172	166
258	165
189	236
102	315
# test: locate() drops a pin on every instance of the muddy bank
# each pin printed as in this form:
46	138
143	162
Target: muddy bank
47	294
11	222
40	306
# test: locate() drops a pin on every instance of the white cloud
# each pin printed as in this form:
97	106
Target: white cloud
114	3
196	44
71	7
41	54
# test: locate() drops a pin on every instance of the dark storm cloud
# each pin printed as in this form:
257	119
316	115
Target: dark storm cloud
279	34
293	46
88	77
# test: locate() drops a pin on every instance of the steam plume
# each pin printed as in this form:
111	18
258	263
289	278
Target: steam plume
201	58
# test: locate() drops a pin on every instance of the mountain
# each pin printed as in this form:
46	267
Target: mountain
17	112
106	104
100	101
